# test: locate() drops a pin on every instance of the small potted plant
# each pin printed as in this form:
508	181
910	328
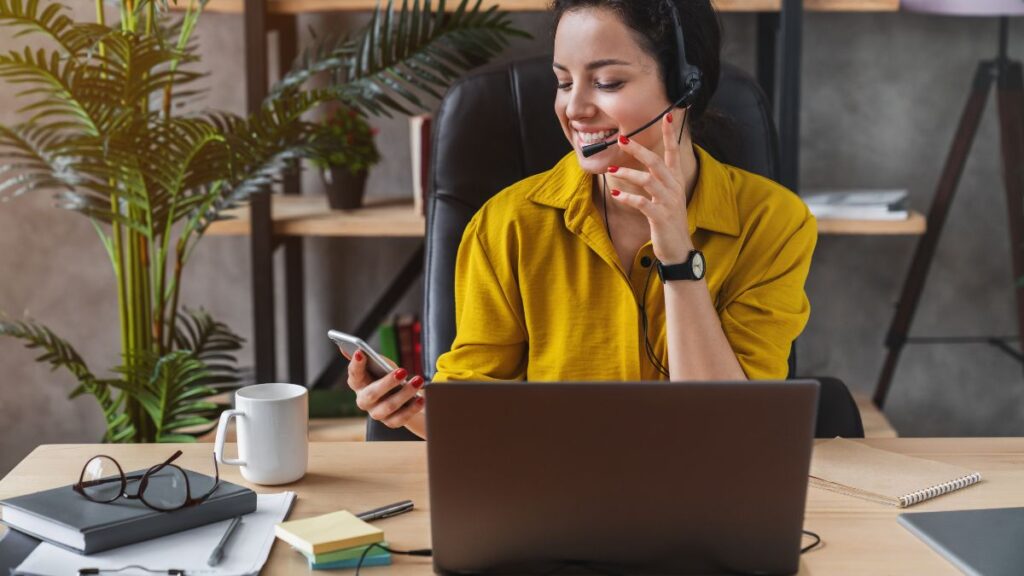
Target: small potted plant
347	151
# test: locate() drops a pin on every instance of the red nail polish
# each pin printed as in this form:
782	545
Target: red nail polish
669	117
417	382
401	373
420	400
613	169
623	140
358	356
615	192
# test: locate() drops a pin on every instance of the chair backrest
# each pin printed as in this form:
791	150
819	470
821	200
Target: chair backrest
497	126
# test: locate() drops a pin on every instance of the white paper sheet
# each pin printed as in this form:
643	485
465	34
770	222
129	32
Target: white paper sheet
244	554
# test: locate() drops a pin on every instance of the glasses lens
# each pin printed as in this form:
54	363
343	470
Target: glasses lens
101	480
166	489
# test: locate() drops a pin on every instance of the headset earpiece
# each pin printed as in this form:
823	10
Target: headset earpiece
686	81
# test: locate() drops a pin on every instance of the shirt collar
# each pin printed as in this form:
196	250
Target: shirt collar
712	206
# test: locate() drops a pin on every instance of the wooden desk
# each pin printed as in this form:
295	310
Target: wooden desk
310	216
309	6
859	537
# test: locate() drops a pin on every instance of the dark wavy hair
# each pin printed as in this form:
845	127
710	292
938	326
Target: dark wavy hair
651	23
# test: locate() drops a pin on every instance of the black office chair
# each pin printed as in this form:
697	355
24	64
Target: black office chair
498	126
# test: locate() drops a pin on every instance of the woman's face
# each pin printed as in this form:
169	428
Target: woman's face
607	86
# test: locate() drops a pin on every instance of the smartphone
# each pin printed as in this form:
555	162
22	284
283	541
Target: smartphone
377	364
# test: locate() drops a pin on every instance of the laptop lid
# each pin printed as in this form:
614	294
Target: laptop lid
637	477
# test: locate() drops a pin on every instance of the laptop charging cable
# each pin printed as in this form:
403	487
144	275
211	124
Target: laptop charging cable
427	552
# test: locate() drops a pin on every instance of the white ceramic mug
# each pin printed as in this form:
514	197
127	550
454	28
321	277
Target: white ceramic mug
272	423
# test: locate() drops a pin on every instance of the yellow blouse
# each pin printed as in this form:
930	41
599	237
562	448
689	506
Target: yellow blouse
540	293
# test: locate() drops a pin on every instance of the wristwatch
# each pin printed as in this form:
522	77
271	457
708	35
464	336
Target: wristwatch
692	269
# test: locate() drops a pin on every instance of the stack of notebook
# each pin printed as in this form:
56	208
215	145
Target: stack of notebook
335	540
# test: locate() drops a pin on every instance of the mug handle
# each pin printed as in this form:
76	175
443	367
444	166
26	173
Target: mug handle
222	428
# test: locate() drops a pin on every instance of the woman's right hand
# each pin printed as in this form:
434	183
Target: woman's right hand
393	410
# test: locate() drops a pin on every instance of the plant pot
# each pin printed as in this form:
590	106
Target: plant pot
345	189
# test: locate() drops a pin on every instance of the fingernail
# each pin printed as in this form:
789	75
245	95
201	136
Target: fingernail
401	373
613	169
669	117
417	382
358	356
615	192
623	140
420	400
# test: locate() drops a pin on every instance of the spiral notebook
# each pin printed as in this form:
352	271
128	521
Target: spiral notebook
898	480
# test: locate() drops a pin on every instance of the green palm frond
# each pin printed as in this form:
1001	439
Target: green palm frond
145	65
172	392
398	54
30	162
52	21
262	144
53	80
58	353
212	343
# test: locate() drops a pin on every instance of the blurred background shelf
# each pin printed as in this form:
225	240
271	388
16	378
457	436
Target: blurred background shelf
310	216
915	225
310	6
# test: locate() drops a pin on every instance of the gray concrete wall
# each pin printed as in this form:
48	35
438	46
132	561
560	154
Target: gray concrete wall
881	97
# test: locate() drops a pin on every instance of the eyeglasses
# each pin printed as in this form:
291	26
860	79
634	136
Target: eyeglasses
164	487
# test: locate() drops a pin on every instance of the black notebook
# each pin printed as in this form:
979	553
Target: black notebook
64	517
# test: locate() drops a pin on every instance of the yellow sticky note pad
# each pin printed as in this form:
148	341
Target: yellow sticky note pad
329	532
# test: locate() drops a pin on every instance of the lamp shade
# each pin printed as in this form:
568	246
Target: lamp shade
965	7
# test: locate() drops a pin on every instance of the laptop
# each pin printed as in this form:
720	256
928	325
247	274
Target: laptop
619	477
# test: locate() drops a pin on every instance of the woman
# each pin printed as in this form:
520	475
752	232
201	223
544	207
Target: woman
555	275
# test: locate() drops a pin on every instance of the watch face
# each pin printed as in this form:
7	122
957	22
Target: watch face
698	265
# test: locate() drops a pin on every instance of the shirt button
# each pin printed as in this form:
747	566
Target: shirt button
645	262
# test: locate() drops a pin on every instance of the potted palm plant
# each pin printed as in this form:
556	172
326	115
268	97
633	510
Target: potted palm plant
101	128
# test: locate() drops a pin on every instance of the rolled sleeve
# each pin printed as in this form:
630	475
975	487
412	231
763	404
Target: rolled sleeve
491	341
768	314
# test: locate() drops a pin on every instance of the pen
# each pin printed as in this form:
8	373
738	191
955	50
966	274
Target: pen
386	511
218	552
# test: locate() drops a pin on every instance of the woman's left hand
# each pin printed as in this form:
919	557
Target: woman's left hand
664	181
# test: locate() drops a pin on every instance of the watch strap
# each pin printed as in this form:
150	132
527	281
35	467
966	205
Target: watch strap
681	271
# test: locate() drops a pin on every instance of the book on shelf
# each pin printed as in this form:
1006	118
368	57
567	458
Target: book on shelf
401	339
419	129
406	344
417	347
859	205
67	519
389	341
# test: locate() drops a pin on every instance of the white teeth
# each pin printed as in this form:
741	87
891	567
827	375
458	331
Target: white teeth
595	137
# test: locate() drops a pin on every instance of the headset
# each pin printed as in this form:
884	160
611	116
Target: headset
686	81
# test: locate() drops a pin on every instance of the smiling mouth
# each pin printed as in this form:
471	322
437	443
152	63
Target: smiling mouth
587	139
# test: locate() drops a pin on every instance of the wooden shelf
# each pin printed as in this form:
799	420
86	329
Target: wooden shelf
309	6
915	225
310	216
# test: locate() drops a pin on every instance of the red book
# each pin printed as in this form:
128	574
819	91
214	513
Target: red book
417	347
406	351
